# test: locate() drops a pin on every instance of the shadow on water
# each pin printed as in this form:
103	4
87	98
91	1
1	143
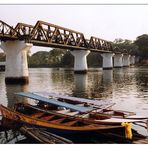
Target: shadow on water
9	133
93	86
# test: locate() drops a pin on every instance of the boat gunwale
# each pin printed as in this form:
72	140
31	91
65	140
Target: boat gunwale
57	126
85	120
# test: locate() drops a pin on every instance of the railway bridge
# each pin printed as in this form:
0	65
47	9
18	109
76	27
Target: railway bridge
16	41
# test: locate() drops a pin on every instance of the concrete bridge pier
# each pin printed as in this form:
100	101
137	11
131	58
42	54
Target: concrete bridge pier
126	60
16	61
132	60
80	61
107	60
137	59
118	63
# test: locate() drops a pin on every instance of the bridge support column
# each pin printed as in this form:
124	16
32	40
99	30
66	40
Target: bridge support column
16	61
80	61
118	63
132	60
126	60
137	59
107	60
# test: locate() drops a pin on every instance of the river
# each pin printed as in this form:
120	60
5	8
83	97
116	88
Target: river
126	87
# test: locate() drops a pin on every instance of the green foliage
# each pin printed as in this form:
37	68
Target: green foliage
67	60
94	59
46	59
61	58
124	44
142	43
39	58
55	56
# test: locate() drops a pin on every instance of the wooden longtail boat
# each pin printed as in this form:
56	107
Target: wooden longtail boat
102	107
54	122
87	113
49	114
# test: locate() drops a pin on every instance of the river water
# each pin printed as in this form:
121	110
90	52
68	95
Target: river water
127	87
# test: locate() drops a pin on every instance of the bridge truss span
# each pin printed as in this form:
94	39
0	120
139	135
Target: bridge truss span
7	32
50	35
24	31
97	44
55	36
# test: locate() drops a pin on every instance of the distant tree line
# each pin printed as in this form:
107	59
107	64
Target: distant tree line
60	58
138	47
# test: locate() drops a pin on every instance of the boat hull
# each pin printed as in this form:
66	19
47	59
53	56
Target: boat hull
52	127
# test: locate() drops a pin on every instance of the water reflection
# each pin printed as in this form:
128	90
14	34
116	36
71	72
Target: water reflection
107	77
107	83
124	85
80	85
127	87
10	93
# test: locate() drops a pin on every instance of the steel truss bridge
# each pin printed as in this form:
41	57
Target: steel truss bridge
50	35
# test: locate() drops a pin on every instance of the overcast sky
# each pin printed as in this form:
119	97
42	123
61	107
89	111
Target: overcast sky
104	21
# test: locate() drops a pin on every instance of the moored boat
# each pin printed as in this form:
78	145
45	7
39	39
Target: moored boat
101	108
63	117
85	110
57	123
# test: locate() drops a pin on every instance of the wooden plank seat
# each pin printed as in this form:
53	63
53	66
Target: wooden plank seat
58	120
47	118
70	123
37	115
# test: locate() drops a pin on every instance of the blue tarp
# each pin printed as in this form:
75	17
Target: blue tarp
82	100
55	102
